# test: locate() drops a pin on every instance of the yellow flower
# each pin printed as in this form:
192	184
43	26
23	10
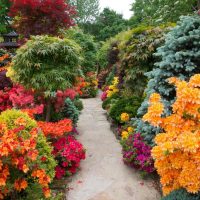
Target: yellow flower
125	117
130	129
125	135
115	90
111	87
110	93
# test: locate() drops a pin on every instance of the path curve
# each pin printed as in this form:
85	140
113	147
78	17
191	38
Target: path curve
103	175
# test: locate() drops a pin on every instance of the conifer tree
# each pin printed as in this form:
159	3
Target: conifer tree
180	57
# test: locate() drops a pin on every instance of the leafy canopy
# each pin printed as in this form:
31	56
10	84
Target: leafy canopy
35	17
88	47
87	10
159	11
4	19
46	63
107	25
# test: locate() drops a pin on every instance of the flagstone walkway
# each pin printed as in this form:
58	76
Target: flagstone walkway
103	175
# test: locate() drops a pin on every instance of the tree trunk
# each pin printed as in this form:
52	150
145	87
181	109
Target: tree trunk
48	110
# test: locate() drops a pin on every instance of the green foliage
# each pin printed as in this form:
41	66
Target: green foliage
157	12
45	150
179	57
79	104
111	76
137	55
4	19
88	48
87	10
181	195
108	101
9	117
70	111
108	24
46	63
129	105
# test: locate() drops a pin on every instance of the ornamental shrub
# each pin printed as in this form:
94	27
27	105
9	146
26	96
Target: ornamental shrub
46	64
137	55
180	57
124	105
70	111
26	159
69	153
177	147
108	101
136	153
181	195
78	103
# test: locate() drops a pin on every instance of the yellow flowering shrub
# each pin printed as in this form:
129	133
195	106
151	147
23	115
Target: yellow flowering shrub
130	129
177	150
125	135
112	89
125	117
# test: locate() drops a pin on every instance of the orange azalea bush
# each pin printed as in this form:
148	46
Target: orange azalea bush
25	157
177	150
56	129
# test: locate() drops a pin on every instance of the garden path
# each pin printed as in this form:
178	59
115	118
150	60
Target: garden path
103	175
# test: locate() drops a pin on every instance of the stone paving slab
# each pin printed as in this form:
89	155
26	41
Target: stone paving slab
103	175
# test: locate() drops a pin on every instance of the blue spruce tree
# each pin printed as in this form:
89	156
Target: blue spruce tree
179	57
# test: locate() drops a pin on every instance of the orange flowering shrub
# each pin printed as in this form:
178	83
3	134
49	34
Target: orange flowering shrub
177	150
56	129
23	148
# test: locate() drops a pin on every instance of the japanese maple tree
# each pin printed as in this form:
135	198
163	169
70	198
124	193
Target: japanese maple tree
37	17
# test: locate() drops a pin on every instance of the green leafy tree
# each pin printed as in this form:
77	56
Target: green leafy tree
4	19
107	25
87	10
156	11
46	64
88	46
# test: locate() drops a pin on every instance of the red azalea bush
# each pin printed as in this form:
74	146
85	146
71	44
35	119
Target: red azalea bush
16	97
36	17
69	153
61	96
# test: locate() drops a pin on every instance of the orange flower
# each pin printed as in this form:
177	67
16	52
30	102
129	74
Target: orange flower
176	154
20	184
47	192
56	129
20	122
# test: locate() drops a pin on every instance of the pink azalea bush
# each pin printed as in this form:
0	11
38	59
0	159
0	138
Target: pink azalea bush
137	154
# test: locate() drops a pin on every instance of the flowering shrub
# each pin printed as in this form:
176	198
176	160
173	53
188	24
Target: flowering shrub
112	89
16	97
87	86
104	94
56	129
23	148
126	105
136	153
61	96
68	152
125	117
177	149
